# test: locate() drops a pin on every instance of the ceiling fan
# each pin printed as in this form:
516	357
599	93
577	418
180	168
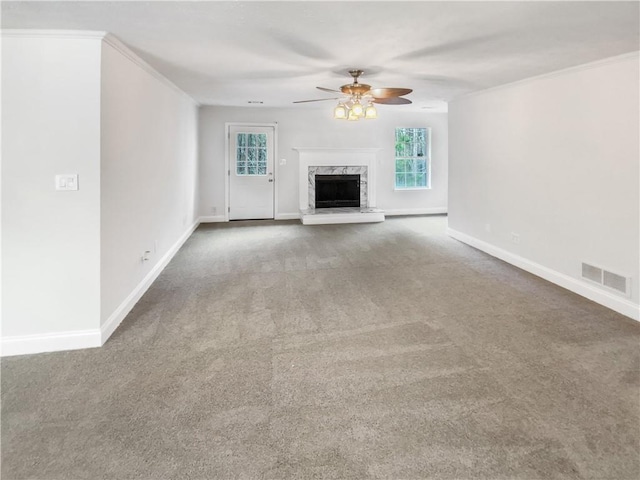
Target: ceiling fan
350	106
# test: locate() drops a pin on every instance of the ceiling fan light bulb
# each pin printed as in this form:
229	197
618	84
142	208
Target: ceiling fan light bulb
352	116
340	112
370	112
357	109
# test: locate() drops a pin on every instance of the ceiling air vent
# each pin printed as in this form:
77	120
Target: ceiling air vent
610	280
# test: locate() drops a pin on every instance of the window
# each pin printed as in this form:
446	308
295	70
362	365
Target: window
251	154
413	158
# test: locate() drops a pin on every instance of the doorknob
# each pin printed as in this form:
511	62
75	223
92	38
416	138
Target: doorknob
271	179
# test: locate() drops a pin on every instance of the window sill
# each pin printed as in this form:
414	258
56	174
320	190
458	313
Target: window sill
410	189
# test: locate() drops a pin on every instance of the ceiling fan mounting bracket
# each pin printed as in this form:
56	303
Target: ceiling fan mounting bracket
355	74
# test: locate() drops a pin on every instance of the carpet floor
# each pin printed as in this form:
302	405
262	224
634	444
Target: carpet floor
275	350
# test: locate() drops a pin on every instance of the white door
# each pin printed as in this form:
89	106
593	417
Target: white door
251	160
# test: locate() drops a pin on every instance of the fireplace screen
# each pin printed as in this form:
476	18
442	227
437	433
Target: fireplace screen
337	191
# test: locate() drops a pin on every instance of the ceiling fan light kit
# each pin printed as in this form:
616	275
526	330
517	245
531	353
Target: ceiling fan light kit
356	108
352	108
341	111
370	112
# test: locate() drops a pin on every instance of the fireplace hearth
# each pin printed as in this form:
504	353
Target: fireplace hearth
333	191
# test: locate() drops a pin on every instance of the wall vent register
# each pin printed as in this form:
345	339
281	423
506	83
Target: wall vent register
610	280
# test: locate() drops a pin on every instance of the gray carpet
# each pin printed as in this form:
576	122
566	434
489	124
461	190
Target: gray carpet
275	350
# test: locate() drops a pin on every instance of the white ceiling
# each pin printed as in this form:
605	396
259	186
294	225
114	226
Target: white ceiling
229	53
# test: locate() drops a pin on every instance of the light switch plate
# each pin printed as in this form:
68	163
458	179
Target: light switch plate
67	182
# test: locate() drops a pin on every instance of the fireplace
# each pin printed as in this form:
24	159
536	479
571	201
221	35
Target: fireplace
335	172
314	161
337	191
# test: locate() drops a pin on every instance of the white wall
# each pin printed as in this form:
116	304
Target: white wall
81	102
50	239
555	160
148	174
317	128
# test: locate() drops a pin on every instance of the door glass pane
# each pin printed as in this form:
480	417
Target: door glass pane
251	154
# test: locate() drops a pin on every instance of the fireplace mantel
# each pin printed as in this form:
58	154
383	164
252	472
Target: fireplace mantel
335	157
336	150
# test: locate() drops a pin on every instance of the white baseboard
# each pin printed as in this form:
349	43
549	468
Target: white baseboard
609	300
74	340
222	218
287	216
212	219
415	211
127	305
50	342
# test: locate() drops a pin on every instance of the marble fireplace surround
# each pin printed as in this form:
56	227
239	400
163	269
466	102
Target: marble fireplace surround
337	161
341	170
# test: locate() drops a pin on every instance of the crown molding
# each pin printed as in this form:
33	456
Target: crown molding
35	33
557	73
125	51
105	37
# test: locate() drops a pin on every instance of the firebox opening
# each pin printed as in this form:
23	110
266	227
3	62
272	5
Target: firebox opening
337	191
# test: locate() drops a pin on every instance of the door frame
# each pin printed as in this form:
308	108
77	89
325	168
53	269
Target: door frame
227	163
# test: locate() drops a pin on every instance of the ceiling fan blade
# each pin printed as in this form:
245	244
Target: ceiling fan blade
392	101
317	100
389	92
328	90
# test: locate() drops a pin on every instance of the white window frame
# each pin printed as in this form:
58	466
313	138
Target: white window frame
427	158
